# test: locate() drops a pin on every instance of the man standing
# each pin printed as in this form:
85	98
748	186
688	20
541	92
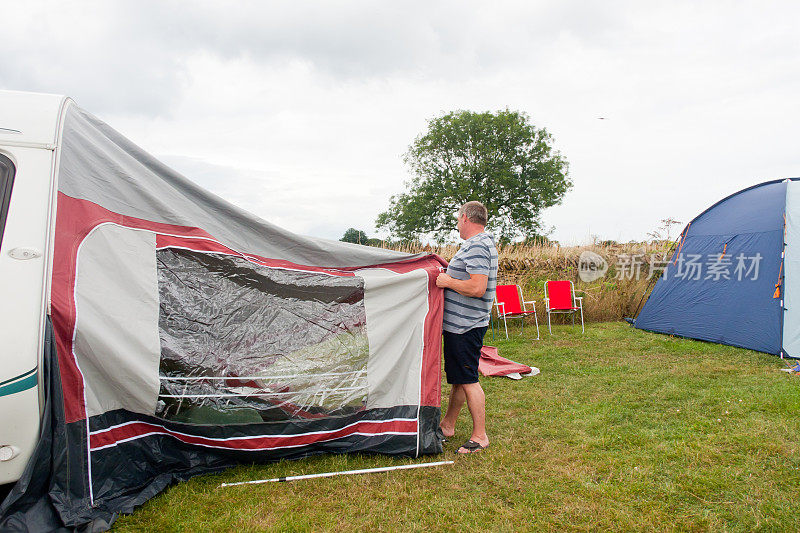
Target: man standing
469	286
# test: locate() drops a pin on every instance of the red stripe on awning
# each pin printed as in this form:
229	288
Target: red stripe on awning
141	429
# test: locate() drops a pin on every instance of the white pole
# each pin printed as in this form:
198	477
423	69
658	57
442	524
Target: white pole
331	474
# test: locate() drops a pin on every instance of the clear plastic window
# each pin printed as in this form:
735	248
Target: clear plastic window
244	343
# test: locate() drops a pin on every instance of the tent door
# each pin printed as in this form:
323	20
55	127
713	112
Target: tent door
791	270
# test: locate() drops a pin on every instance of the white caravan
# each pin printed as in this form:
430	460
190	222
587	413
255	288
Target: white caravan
29	126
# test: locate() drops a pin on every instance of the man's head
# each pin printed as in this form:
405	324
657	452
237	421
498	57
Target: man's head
472	218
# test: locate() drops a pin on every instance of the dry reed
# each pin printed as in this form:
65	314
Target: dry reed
613	297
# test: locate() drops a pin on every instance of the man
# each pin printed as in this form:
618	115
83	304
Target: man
469	286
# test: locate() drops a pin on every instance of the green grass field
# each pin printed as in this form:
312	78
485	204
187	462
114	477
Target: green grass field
622	430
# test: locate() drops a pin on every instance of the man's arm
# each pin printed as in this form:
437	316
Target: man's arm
474	287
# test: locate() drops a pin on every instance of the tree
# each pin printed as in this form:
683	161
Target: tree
662	233
355	236
500	159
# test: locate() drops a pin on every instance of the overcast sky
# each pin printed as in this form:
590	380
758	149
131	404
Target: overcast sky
300	111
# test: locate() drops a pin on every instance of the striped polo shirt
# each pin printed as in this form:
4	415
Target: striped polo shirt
478	255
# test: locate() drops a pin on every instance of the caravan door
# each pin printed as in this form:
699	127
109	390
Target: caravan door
25	215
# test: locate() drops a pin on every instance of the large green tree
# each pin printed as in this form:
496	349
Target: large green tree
500	159
355	236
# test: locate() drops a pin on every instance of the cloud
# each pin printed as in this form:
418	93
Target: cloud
311	105
357	39
86	50
133	56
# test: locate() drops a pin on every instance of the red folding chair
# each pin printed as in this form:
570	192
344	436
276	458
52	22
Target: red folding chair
559	297
510	303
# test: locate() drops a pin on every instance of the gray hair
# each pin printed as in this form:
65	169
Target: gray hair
475	211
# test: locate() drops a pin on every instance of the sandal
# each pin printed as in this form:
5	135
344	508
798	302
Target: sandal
471	446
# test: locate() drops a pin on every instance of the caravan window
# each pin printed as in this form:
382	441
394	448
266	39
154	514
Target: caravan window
7	171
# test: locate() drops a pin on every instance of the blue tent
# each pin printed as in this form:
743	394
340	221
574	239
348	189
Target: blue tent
731	279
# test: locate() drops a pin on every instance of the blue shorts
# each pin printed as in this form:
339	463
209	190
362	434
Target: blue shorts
462	351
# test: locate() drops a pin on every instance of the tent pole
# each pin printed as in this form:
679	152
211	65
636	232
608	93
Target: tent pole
342	473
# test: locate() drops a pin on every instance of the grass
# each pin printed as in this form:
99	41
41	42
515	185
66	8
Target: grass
622	430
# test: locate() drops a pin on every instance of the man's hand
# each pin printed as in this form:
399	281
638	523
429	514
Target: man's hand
474	287
443	280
